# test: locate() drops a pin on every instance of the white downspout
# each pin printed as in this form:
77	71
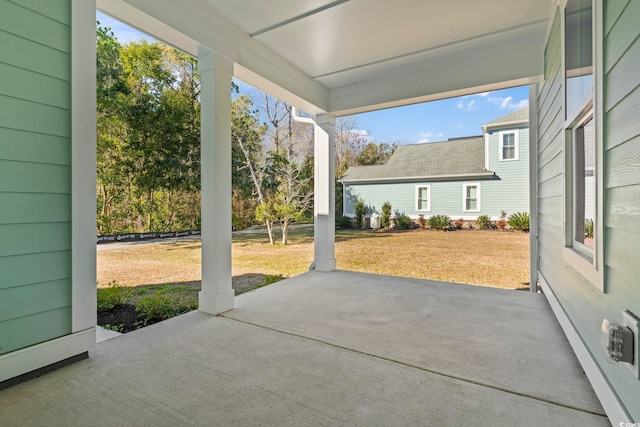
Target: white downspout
309	120
297	118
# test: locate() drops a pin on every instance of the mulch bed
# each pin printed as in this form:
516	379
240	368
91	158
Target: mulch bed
124	317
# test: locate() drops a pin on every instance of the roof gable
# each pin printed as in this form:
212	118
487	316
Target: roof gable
460	157
517	117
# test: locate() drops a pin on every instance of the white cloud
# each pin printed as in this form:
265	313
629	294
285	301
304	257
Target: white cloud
360	132
507	103
521	104
469	106
429	137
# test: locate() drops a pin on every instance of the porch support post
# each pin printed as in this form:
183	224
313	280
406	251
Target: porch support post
217	294
533	187
324	193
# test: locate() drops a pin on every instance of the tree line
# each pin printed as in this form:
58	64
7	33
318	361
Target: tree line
148	146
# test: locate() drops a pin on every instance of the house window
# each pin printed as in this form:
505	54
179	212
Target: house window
471	197
508	145
584	185
578	56
423	197
583	246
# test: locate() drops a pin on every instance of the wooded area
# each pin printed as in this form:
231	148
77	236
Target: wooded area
148	137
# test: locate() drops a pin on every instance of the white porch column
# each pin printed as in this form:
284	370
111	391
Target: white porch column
324	207
217	294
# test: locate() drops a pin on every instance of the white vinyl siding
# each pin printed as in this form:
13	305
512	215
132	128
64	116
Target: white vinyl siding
423	198
509	147
471	197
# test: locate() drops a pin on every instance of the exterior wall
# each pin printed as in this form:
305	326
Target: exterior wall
582	302
35	175
512	190
509	191
446	198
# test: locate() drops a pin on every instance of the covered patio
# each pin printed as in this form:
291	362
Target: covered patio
329	348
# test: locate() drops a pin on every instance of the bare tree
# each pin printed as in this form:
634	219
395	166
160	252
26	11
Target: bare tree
350	141
290	194
257	176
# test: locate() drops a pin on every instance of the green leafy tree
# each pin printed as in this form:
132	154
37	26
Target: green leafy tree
376	154
385	217
148	137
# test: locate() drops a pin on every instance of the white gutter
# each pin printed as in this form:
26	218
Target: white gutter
421	178
297	118
504	125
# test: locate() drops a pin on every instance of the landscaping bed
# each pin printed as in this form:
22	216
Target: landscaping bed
127	308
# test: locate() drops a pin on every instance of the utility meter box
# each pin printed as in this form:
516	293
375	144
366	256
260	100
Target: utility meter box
375	220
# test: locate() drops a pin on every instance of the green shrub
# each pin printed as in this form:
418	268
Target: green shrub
113	295
483	222
440	222
588	228
519	221
385	217
360	211
403	222
161	306
343	222
270	279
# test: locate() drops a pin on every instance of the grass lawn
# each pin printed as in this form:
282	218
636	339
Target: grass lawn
144	284
488	258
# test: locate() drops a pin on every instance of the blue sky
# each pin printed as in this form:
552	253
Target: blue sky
426	122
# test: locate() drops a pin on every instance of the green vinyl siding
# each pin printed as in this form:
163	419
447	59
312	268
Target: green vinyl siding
585	305
35	176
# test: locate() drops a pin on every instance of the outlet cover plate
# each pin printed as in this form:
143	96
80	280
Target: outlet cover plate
631	321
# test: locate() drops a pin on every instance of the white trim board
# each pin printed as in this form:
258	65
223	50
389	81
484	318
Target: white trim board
607	396
38	356
83	166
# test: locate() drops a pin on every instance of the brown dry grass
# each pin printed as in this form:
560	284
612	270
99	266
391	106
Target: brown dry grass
489	258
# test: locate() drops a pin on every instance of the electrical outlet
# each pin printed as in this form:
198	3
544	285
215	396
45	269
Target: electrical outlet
632	322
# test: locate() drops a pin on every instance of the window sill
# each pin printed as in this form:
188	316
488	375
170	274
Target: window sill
583	266
509	160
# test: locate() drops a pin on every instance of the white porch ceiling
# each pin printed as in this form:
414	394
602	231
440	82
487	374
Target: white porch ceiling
348	56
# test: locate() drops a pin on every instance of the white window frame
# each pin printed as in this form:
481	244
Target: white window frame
428	187
586	261
516	142
586	251
464	196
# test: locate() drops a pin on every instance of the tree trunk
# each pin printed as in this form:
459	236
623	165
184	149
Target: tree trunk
285	231
270	230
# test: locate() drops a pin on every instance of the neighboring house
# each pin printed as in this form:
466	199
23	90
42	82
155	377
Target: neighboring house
462	177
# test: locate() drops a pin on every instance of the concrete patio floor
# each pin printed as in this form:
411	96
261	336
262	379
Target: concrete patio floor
336	348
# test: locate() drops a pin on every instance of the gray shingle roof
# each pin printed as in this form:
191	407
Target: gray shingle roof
447	159
515	117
